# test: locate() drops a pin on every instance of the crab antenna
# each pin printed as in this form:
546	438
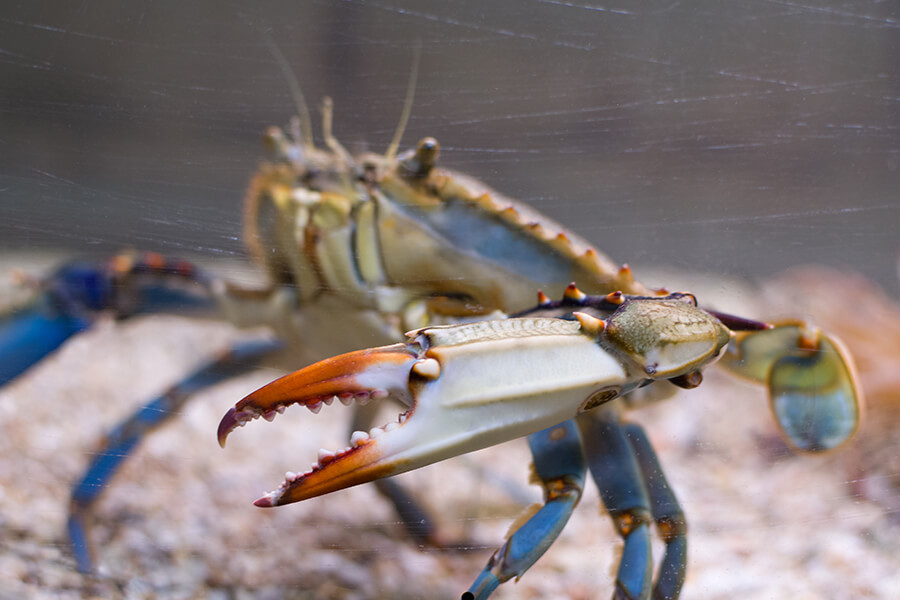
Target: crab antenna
407	104
296	92
330	140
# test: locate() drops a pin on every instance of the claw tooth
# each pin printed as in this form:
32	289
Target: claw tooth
358	438
328	400
391	426
345	398
404	417
379	394
290	476
315	407
325	456
269	415
362	398
281	408
376	432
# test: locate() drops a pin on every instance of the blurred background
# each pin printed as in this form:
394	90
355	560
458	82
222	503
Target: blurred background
727	137
733	139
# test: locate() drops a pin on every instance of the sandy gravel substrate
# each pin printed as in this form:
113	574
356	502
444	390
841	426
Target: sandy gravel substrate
178	520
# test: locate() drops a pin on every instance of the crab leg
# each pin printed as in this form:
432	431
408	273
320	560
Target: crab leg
61	306
633	489
68	301
29	333
560	466
618	477
121	440
670	520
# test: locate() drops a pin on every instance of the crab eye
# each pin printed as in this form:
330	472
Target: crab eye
427	152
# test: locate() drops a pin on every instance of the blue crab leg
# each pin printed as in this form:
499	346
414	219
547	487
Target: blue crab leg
119	442
68	301
559	464
29	333
619	480
61	306
667	512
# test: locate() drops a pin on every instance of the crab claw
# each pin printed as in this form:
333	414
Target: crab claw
475	385
468	387
361	376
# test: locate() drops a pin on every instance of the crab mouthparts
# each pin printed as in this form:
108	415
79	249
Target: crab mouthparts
360	376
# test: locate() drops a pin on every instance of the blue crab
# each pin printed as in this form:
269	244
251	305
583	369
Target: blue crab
359	249
561	374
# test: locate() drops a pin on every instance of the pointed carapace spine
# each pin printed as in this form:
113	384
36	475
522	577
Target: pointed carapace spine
561	243
537	230
590	260
573	295
589	324
487	202
625	273
616	298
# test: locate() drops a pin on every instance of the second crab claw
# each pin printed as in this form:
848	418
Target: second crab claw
475	385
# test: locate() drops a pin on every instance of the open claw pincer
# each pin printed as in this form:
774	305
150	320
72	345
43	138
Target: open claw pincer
467	387
359	376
